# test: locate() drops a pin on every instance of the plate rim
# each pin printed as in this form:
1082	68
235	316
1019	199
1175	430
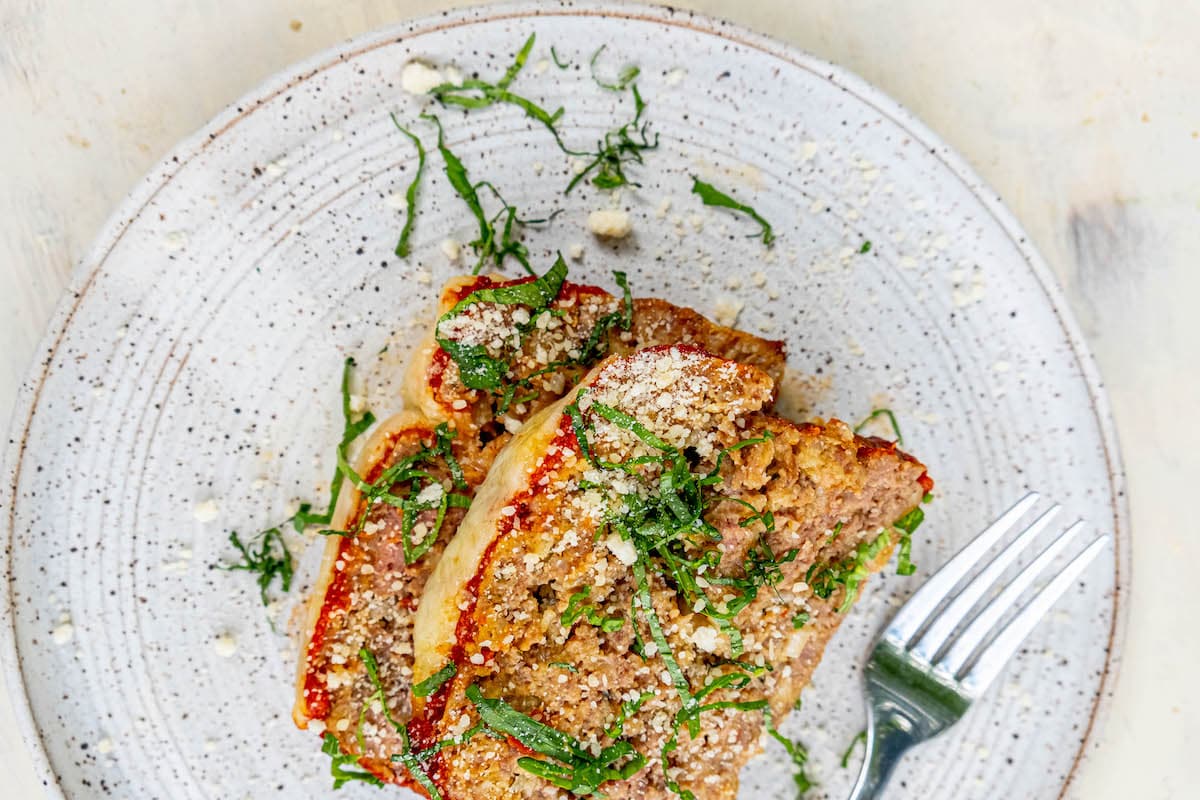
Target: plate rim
161	174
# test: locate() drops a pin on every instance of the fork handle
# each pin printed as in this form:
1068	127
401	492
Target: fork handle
888	737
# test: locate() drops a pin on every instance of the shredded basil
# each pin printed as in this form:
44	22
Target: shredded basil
712	196
410	195
628	709
410	760
351	430
537	294
882	412
628	74
271	560
861	736
906	525
570	764
409	471
620	147
848	573
434	682
477	368
795	751
475	94
344	767
577	609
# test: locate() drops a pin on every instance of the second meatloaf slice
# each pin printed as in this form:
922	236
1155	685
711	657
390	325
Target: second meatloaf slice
648	576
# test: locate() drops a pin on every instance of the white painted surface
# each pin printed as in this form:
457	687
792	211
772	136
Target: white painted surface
1082	116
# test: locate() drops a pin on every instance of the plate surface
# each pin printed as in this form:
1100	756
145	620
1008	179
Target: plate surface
193	368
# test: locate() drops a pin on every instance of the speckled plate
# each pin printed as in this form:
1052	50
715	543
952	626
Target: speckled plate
188	384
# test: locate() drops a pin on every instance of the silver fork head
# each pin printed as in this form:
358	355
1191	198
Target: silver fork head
917	686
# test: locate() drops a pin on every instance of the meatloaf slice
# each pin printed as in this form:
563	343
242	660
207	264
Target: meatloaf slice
372	579
649	574
545	351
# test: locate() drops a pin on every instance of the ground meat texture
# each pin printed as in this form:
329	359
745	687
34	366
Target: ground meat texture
556	338
658	322
368	602
550	541
368	594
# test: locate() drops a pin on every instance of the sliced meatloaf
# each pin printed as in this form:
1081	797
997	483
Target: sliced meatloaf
418	472
646	579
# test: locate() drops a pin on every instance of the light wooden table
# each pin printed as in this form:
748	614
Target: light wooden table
1082	115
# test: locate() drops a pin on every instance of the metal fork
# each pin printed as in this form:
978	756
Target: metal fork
920	679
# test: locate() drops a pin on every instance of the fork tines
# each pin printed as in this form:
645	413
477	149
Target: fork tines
925	625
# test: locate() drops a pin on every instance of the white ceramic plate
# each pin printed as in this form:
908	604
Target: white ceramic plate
196	357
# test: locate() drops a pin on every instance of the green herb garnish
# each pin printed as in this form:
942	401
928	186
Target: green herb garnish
882	412
411	761
557	61
563	665
619	147
712	196
456	173
537	294
866	247
666	523
597	341
351	430
272	559
629	73
571	766
577	608
474	93
434	682
795	751
411	194
849	572
477	368
906	525
800	620
425	491
689	713
861	736
344	767
628	709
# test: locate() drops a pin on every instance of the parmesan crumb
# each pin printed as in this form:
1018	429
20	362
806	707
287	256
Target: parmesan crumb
63	633
610	223
726	312
206	510
706	638
225	645
624	550
419	78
